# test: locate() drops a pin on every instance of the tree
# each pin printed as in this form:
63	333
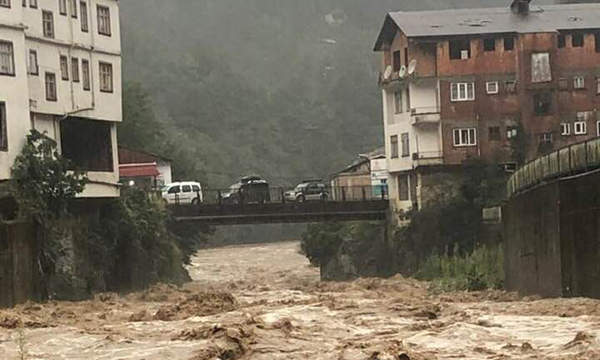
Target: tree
42	180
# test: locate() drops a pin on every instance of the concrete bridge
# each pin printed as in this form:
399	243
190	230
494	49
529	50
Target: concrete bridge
551	224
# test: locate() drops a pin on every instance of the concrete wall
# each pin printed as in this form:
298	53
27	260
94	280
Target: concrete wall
19	270
552	235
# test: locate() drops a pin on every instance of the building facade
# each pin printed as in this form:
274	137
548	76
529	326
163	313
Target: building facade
60	73
502	85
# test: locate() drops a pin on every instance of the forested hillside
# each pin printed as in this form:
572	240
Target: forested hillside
283	88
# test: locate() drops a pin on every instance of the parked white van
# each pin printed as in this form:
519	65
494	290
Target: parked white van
185	192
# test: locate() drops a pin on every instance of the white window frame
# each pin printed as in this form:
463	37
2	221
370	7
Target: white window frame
541	70
75	75
394	147
597	128
405	140
33	67
546	137
64	67
511	86
33	4
51	87
491	87
48	24
565	129
462	91
399	102
85	24
597	85
580	128
466	137
3	125
7	59
5	3
85	74
104	22
106	77
511	132
579	82
62	7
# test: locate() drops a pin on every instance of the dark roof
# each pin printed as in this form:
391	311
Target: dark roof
128	155
541	18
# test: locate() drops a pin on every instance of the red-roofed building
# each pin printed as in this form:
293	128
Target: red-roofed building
144	169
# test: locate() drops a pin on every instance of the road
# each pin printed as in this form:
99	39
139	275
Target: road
265	302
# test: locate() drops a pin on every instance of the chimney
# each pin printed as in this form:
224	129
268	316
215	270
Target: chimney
520	7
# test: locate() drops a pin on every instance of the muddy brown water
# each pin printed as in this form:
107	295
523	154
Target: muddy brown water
265	302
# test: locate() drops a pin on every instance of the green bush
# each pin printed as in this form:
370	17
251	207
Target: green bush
478	270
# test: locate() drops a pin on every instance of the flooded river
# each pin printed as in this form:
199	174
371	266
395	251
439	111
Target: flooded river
265	302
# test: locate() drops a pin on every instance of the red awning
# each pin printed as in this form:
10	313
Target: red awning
138	170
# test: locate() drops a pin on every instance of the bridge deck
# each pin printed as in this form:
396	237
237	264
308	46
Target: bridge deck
272	213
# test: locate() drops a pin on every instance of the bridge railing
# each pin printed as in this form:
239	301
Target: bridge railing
282	195
570	160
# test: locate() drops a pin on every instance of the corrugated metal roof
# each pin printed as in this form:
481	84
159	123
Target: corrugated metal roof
543	18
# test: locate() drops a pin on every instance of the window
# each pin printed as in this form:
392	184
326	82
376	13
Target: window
396	61
64	68
465	137
84	16
597	41
546	137
460	49
577	40
85	71
540	68
398	102
75	69
561	41
597	128
51	87
462	91
565	129
186	188
509	43
491	87
48	24
579	82
542	103
489	44
394	146
584	115
33	63
406	56
62	7
563	84
511	86
174	190
196	188
403	188
511	132
598	86
5	3
73	4
106	77
24	3
494	133
7	58
580	128
3	132
405	145
103	20
33	4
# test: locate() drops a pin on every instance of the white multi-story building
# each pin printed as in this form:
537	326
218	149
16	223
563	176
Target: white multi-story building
60	73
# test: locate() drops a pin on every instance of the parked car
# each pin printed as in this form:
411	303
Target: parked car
186	192
308	191
251	189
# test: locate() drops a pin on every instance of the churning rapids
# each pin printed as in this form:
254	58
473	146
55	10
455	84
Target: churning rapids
265	302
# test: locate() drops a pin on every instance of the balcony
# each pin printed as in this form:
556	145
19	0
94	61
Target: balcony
423	116
428	158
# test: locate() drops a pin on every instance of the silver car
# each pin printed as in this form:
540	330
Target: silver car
308	191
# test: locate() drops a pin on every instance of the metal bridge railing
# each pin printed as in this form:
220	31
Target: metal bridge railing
573	159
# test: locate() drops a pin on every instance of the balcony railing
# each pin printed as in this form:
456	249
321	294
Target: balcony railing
424	158
429	115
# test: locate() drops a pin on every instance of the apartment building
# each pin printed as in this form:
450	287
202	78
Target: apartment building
60	73
499	84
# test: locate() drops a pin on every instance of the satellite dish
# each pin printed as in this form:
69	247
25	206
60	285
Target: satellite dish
412	66
387	73
402	72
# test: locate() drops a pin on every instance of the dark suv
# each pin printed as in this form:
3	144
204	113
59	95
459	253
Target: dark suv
251	189
308	191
